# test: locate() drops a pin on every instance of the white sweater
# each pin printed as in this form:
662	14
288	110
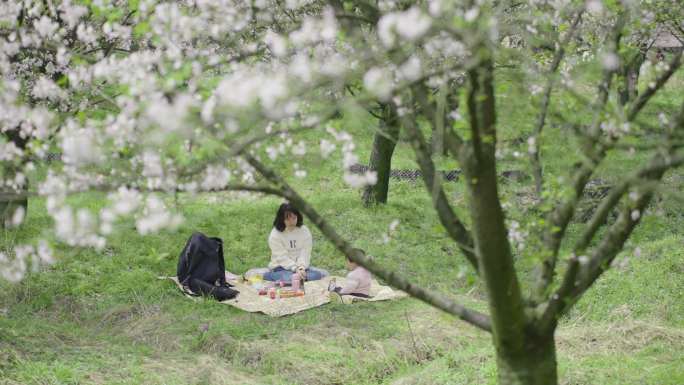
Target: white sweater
290	249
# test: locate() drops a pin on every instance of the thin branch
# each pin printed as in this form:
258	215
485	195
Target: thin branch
580	276
346	15
557	58
241	147
437	300
452	140
645	96
111	188
559	218
447	217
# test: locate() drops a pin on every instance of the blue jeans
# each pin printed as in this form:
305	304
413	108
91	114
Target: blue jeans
280	274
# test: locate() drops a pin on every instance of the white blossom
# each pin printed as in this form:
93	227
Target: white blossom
531	145
124	201
410	25
46	27
411	69
152	165
368	178
378	82
471	14
156	217
72	13
45	88
594	6
18	216
610	61
79	146
327	148
276	43
86	34
215	178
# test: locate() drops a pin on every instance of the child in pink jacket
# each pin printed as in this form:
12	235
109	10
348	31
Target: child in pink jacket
357	282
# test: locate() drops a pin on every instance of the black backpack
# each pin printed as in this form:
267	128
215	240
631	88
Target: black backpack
201	268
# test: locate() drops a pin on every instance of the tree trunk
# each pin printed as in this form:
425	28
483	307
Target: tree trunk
381	157
628	89
535	365
523	356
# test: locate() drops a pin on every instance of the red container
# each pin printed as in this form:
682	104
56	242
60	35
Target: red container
295	282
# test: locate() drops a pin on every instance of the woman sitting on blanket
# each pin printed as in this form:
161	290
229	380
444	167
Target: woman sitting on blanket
358	281
290	242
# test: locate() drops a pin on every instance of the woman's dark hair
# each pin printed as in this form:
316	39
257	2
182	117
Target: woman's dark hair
279	221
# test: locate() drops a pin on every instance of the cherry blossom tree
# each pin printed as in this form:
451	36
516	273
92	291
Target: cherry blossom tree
208	95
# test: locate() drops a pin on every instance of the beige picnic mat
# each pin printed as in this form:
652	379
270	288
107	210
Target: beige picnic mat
316	295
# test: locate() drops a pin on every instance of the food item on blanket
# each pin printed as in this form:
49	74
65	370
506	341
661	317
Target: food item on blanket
290	294
255	279
272	293
263	291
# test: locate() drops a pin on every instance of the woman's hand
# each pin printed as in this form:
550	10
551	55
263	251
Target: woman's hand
302	272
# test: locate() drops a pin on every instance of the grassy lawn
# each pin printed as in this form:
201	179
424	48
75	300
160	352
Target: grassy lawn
105	318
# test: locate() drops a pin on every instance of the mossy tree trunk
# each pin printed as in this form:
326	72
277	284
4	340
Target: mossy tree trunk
536	365
628	88
381	156
522	356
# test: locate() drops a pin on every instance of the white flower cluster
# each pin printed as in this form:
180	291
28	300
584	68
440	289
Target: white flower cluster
14	269
246	87
155	217
615	129
315	30
45	88
516	235
9	152
610	61
327	148
350	159
80	145
77	227
379	82
124	201
215	178
391	230
409	25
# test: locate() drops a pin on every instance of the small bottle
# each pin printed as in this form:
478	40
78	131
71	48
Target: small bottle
295	282
272	292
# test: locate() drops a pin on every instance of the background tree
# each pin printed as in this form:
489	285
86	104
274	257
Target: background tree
239	81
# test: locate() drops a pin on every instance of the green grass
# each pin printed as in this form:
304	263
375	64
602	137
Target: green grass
104	317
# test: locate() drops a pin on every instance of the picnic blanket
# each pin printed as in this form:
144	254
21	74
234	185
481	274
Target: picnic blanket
316	295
